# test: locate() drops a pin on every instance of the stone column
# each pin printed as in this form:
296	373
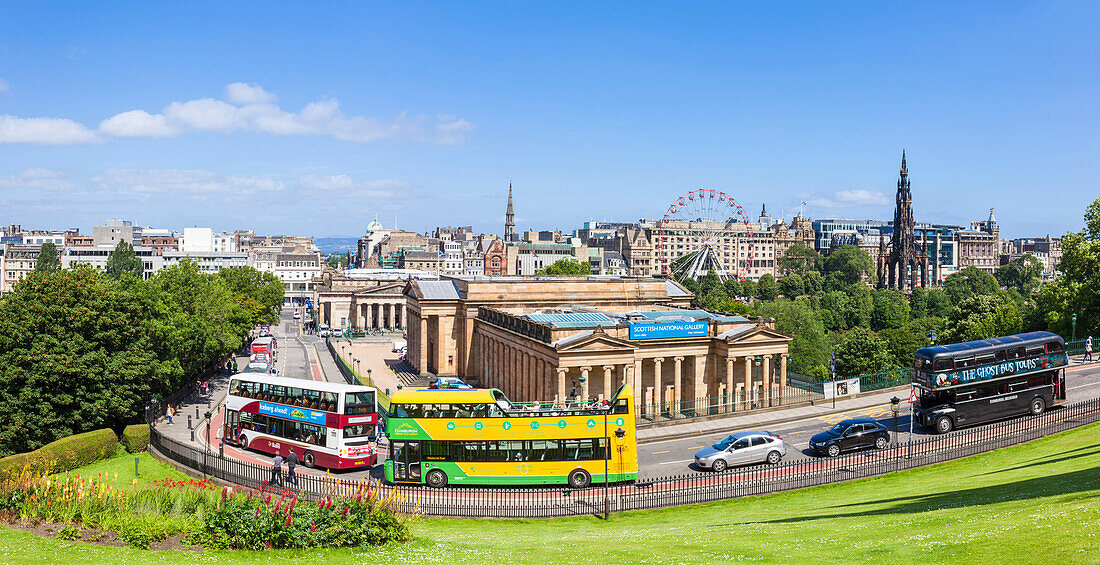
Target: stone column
561	397
677	383
748	379
767	376
783	371
584	385
729	379
636	378
422	340
608	370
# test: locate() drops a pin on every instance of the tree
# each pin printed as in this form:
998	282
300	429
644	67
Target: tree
983	316
733	288
748	288
1022	273
889	309
74	356
968	282
792	286
814	282
258	293
1079	289
49	259
850	264
566	266
123	261
708	282
861	352
800	259
766	288
809	347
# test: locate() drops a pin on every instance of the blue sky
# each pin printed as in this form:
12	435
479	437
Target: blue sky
316	119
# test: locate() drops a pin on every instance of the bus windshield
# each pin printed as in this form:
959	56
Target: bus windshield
359	403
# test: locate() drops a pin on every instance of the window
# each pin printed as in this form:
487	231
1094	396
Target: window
758	440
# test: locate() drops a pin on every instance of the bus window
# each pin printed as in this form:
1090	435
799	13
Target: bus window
356	403
986	359
1000	355
1054	347
495	411
621	407
1016	353
495	453
942	365
545	450
1035	351
435	451
399	411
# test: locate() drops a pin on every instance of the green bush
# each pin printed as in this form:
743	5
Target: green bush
135	438
64	454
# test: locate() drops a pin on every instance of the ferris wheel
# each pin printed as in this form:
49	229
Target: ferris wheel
705	230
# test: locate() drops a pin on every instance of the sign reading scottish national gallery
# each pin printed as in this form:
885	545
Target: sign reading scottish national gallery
666	330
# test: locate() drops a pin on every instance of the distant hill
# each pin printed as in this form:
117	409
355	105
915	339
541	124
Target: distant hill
335	244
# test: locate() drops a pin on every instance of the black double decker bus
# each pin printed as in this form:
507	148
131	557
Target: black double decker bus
981	381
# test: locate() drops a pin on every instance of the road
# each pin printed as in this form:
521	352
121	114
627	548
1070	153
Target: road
676	456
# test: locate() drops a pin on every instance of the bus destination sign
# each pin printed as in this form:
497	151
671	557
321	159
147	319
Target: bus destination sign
292	413
666	330
988	372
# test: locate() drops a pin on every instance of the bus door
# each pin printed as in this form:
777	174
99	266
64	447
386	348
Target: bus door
1060	385
406	461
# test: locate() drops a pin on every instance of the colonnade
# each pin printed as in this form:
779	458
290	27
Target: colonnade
380	316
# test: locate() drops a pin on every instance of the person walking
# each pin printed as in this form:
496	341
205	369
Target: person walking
1088	349
205	387
234	366
277	470
169	412
291	463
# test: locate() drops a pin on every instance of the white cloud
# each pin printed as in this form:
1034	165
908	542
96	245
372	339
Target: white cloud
847	199
37	179
182	182
3	86
45	131
137	123
247	107
343	186
241	93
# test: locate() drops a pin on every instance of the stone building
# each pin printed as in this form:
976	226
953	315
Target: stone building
373	299
540	338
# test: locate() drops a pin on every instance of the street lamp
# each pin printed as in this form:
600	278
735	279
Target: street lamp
1074	318
895	407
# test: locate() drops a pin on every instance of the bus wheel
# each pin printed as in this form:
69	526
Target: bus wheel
242	441
944	425
1038	405
436	478
579	478
308	459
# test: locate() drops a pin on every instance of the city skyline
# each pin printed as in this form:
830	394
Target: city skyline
427	113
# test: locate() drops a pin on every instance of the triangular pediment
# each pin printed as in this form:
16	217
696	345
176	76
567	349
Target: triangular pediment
593	341
759	334
394	289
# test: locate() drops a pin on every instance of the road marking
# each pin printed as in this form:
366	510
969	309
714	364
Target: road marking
823	417
675	462
659	452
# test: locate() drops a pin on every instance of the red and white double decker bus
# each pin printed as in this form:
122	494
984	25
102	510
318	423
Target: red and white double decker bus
264	349
331	425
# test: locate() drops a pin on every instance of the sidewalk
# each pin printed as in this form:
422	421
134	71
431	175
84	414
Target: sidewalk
177	430
761	420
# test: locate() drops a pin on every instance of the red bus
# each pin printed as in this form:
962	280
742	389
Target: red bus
330	425
264	348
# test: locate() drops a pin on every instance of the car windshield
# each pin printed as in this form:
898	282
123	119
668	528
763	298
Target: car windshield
725	443
838	429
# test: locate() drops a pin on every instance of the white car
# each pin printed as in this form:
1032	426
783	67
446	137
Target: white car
297	315
337	332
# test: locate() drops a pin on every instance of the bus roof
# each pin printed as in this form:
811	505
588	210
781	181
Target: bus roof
982	345
445	396
267	339
322	386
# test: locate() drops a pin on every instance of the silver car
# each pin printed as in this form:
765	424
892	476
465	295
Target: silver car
742	448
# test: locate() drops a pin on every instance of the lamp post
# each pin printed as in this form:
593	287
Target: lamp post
832	370
1074	319
895	407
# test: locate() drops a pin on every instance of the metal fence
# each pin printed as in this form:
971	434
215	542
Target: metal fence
694	488
353	377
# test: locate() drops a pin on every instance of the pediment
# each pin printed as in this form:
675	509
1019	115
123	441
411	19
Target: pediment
394	289
759	334
596	341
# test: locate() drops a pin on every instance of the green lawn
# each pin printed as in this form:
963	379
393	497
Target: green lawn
1036	503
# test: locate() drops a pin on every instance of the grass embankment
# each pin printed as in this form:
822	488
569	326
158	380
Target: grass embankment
1036	503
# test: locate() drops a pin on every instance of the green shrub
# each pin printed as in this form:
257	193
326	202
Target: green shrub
64	454
135	438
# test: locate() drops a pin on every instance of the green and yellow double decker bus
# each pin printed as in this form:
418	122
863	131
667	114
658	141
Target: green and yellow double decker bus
479	437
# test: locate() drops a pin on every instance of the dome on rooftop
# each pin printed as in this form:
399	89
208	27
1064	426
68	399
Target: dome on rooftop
373	226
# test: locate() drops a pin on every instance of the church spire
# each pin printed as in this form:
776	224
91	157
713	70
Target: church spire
510	219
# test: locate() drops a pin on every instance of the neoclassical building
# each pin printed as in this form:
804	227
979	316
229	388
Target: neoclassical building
369	299
541	339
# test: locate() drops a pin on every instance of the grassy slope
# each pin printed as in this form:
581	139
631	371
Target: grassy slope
1034	503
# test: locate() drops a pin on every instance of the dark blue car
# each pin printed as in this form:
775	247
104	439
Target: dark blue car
850	435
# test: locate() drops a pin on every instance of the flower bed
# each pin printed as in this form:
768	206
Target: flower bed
194	513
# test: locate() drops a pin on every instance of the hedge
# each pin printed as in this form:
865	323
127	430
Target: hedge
135	438
64	454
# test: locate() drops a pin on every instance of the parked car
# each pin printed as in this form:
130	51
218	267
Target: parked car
850	435
297	315
742	448
337	332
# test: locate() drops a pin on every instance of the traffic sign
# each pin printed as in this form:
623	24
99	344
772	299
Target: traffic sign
913	396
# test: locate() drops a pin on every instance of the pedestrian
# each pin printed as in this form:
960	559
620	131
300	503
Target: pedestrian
234	366
291	463
1088	349
205	387
169	413
277	470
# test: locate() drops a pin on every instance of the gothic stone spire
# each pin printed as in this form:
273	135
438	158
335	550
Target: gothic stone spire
510	219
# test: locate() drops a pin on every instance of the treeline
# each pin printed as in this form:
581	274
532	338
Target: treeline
829	307
83	349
